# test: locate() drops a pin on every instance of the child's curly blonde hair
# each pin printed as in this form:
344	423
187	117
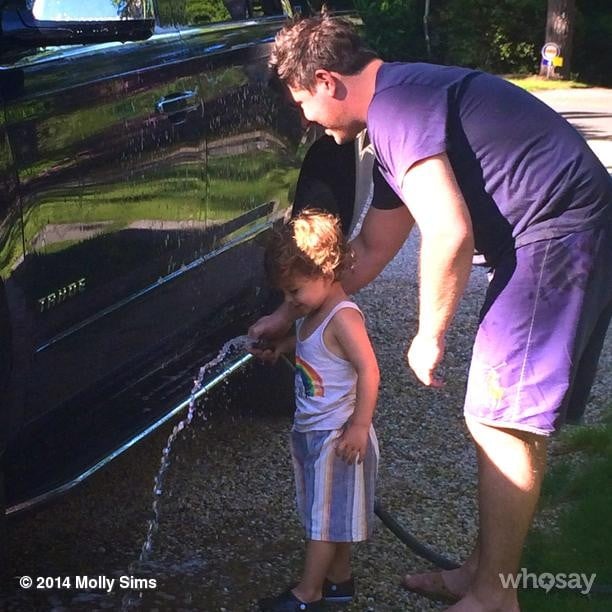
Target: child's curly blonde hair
310	245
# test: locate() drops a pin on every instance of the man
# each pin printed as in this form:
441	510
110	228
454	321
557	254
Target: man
480	166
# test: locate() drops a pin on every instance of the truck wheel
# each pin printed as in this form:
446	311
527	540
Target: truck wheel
6	368
327	180
3	531
271	7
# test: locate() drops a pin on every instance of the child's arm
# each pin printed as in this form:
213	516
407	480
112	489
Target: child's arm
276	324
349	332
270	351
285	345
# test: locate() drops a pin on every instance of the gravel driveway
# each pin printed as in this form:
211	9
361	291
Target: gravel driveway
249	536
426	481
228	532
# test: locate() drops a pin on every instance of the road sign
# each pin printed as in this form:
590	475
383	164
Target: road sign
551	57
550	51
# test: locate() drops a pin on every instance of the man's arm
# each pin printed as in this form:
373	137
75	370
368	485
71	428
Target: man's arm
447	245
382	234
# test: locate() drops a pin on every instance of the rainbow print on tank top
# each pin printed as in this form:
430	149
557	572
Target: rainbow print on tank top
312	381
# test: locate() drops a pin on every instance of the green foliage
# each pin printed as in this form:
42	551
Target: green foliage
192	12
593	41
578	488
537	83
204	11
502	36
394	28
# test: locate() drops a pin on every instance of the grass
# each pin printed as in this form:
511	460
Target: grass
577	490
538	83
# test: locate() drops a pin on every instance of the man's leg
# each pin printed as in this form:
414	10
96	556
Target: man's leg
319	557
556	294
446	585
511	465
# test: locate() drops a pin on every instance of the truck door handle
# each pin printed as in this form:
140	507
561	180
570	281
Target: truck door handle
179	102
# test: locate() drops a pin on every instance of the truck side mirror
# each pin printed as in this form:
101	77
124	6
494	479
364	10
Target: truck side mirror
39	23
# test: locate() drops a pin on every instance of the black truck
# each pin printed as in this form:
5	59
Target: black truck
144	153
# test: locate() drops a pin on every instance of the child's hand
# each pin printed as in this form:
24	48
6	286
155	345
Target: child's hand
274	325
269	351
352	444
265	350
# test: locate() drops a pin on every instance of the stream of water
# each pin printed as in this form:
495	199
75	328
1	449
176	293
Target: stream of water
237	344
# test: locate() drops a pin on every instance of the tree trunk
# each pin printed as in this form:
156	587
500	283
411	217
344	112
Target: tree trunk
560	18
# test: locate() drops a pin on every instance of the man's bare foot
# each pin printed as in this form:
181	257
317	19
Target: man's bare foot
470	603
446	586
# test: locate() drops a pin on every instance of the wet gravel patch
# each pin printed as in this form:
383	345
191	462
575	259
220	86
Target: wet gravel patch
228	531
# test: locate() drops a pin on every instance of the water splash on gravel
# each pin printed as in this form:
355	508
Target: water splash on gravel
239	343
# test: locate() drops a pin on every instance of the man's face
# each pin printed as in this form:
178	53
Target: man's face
329	110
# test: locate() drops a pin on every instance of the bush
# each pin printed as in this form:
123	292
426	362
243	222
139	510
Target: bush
502	36
394	28
593	41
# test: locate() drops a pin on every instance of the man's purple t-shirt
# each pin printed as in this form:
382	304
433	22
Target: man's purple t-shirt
525	173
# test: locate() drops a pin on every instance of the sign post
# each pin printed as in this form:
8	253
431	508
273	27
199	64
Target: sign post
551	57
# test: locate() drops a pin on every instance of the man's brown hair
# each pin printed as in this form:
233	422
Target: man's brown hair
323	42
310	245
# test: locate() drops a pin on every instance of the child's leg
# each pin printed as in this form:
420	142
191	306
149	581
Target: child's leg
319	556
340	567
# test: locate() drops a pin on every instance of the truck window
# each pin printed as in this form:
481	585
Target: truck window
195	12
201	12
90	10
334	5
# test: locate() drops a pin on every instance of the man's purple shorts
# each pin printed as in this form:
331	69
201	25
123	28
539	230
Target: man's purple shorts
542	329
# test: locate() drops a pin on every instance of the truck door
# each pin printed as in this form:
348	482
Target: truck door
11	253
253	132
109	147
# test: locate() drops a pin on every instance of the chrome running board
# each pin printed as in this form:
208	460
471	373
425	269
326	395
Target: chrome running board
44	497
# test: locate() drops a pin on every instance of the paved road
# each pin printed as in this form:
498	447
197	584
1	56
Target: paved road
590	111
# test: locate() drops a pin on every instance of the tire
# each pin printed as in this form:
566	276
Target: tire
5	375
315	193
327	180
271	7
239	9
3	529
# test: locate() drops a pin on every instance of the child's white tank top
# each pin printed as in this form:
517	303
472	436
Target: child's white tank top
325	384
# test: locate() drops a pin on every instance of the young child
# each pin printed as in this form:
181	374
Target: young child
334	447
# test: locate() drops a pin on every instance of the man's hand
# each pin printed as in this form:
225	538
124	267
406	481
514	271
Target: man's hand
351	446
424	356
